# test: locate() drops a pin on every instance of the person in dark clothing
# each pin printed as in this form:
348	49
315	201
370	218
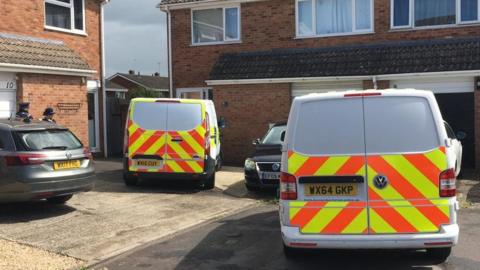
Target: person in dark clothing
22	113
48	115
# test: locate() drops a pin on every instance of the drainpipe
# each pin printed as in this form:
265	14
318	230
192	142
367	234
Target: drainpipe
104	96
374	80
169	37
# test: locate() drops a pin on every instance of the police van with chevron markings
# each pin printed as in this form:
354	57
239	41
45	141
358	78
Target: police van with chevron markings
171	139
368	170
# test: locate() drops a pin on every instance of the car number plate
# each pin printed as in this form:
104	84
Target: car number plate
148	163
270	175
331	190
69	164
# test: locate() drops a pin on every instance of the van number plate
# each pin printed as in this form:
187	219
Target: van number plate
148	163
331	190
63	165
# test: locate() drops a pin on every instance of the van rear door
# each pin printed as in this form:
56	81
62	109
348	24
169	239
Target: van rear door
327	157
405	157
187	130
147	135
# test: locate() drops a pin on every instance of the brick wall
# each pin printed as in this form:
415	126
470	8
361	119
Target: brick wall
271	24
44	91
239	105
368	84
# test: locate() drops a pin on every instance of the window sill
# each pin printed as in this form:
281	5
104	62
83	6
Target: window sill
461	25
216	43
337	35
73	32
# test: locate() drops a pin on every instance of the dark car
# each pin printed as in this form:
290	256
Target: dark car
42	160
262	168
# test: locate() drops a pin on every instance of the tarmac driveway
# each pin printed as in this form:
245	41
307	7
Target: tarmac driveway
114	218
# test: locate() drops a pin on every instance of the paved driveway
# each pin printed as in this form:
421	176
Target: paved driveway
114	218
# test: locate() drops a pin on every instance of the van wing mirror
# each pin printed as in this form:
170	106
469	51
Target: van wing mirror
282	136
461	135
256	141
221	122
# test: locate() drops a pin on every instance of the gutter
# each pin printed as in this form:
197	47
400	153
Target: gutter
204	3
375	78
104	95
20	68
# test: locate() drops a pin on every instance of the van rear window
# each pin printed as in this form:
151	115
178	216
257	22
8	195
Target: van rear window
167	116
184	116
330	127
399	125
150	115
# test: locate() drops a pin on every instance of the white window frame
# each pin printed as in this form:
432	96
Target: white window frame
411	19
354	30
72	17
225	41
202	90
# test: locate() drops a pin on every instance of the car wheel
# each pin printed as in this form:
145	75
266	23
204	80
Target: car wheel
59	199
251	188
439	255
208	183
130	180
290	253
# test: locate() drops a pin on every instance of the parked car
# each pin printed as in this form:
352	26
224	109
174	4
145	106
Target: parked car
368	170
456	147
171	139
42	160
262	168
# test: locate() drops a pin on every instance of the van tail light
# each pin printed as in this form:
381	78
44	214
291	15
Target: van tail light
288	187
87	153
24	159
448	186
207	136
125	135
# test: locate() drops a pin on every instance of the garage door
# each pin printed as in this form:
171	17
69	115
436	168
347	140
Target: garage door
456	100
8	95
300	89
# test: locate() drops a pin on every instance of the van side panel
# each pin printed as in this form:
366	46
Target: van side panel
332	216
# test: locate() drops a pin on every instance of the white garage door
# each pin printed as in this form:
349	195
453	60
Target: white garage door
438	85
8	95
300	89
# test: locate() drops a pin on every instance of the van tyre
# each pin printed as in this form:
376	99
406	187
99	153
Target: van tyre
252	188
130	180
59	199
208	183
439	255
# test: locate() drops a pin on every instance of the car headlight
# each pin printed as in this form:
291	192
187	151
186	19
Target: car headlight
250	165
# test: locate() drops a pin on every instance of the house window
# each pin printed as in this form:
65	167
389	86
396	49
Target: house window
333	17
65	15
426	13
215	25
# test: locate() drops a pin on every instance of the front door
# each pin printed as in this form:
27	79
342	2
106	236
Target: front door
93	116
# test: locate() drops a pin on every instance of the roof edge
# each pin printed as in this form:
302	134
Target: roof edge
19	68
205	3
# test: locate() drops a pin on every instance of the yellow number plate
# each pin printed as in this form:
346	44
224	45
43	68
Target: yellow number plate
148	163
69	164
331	190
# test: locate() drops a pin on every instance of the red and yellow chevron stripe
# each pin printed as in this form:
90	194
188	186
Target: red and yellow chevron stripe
410	203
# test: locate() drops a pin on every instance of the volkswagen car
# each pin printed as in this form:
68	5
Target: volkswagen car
262	168
42	160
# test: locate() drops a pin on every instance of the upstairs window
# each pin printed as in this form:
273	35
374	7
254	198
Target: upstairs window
431	13
65	15
215	25
333	17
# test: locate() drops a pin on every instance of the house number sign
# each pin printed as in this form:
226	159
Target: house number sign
8	85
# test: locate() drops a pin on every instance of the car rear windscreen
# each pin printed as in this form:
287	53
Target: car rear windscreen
330	127
399	125
54	139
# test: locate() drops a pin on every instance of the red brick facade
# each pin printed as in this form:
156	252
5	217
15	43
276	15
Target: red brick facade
26	18
269	25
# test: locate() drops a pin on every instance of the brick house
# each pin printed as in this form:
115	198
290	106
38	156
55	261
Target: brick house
252	57
51	55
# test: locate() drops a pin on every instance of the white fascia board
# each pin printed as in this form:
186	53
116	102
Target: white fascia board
116	90
16	68
204	4
384	77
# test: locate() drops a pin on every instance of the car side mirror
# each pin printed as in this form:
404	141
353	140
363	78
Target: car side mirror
256	141
282	136
221	122
461	135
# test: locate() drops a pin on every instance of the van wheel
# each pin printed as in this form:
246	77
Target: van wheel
130	180
208	183
251	188
290	253
59	199
440	255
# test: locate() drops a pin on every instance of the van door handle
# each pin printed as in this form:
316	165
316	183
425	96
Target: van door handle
177	140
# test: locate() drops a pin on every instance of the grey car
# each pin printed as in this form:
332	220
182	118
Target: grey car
42	160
